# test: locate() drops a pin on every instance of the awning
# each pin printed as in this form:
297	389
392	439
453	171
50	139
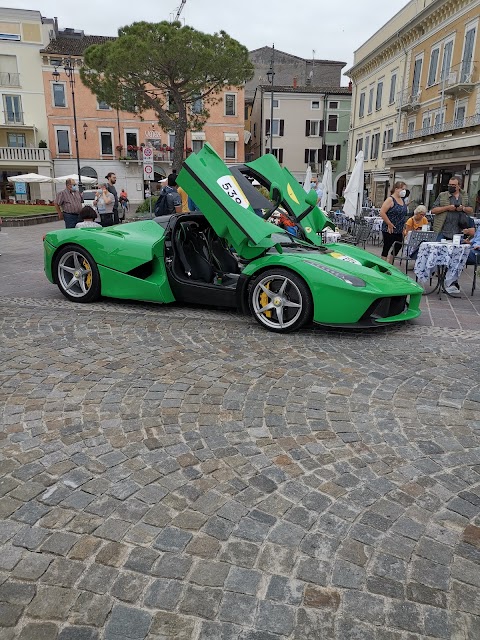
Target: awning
231	137
381	176
198	135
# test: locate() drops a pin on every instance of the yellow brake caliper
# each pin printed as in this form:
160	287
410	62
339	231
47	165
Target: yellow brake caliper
264	301
88	280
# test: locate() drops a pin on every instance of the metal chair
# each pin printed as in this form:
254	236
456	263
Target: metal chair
409	250
359	234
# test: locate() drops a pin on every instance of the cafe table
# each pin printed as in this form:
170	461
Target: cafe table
445	258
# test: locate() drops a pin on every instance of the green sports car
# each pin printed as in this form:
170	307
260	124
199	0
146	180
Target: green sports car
230	255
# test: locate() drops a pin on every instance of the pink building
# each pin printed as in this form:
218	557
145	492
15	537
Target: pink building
109	140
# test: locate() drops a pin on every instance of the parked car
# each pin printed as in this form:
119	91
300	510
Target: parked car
229	256
88	198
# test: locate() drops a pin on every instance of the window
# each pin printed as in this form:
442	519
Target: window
332	122
432	70
367	145
370	100
197	105
315	104
9	36
58	89
16	140
230	105
131	143
393	86
359	145
332	151
311	156
333	105
417	72
103	106
447	59
278	128
426	121
460	112
197	145
230	149
276	105
375	146
378	101
106	143
314	127
439	117
411	126
468	53
13	109
9	76
63	140
278	153
361	107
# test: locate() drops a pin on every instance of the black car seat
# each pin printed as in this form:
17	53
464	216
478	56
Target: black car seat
222	257
193	253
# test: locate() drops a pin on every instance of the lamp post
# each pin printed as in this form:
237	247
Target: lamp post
271	76
69	68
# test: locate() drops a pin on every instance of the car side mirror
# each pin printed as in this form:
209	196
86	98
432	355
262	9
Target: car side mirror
311	197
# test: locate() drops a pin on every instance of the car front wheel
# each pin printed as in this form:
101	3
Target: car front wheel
280	300
77	274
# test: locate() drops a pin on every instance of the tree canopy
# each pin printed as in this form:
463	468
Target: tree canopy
169	68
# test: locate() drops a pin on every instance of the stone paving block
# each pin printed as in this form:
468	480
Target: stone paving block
209	573
172	625
127	622
9	557
52	603
32	566
98	578
30	538
91	609
172	539
202	602
63	572
348	575
39	631
78	633
163	594
238	608
113	529
276	618
128	587
16	592
59	543
312	624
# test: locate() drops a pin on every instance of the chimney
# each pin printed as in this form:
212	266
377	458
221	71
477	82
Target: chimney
295	83
350	85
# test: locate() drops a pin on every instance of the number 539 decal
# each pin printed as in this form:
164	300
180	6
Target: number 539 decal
232	189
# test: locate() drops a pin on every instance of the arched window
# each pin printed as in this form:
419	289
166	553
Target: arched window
89	172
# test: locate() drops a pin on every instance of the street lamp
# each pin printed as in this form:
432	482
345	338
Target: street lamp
69	68
271	76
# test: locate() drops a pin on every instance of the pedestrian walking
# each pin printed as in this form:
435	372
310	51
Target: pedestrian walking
68	204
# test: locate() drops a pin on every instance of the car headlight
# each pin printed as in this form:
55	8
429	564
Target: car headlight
346	277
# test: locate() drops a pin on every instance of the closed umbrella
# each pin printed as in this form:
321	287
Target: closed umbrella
30	177
74	176
307	183
327	188
354	191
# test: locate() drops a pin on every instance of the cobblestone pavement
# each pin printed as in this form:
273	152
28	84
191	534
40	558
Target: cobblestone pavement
181	474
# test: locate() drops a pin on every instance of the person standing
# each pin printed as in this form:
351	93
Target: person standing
451	209
68	204
169	200
104	202
111	179
393	214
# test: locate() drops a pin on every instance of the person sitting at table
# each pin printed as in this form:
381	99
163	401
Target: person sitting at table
474	255
450	211
416	222
393	214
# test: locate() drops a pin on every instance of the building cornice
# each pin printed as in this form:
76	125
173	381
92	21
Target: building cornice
432	16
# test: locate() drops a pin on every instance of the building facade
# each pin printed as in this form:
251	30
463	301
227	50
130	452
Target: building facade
111	139
415	100
310	126
23	124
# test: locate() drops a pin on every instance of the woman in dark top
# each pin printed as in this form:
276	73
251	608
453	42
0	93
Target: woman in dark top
394	214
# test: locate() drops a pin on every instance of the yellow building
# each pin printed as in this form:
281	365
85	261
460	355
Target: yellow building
416	100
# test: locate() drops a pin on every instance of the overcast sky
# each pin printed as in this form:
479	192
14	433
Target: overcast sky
333	30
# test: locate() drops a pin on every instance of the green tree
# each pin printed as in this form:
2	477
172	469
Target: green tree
173	69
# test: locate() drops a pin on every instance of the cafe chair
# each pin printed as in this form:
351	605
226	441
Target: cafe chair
409	249
359	234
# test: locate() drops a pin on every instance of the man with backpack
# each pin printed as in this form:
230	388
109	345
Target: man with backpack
169	200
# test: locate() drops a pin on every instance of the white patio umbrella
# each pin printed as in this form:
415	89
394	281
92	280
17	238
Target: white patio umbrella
308	179
327	188
74	176
354	191
30	177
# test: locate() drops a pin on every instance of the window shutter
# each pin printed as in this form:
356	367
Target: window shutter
267	126
338	150
321	128
307	156
321	154
282	127
280	156
307	128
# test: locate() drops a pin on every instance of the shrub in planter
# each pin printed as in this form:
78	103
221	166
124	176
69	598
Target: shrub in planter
145	206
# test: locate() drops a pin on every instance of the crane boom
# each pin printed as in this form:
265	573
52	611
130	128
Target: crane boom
180	9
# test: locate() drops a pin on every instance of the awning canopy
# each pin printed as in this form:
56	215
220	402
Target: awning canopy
74	176
231	137
30	177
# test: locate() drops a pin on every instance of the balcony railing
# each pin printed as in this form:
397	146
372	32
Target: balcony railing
461	78
460	123
24	154
408	100
8	79
158	156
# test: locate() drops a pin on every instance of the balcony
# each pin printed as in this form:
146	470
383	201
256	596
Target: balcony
408	101
24	154
461	79
8	79
453	125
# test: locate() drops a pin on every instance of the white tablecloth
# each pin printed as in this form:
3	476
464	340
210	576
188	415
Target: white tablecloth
375	221
435	254
476	221
331	236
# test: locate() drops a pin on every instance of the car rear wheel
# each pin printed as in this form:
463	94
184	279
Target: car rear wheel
77	274
280	300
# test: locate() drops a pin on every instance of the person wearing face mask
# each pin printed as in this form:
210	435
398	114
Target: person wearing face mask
451	210
68	204
393	213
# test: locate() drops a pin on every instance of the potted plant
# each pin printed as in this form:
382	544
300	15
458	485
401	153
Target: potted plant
42	144
119	147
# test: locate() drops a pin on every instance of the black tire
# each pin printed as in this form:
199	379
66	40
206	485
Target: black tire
83	285
290	309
